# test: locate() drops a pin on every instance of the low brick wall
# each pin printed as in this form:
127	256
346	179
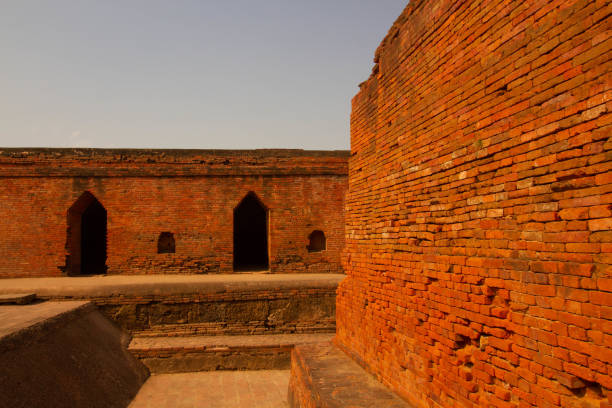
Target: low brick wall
243	312
214	304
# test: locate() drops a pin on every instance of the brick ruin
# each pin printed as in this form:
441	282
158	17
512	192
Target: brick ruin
476	233
479	209
84	211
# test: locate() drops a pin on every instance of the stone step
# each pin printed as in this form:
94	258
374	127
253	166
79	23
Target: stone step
324	376
258	327
166	354
17	298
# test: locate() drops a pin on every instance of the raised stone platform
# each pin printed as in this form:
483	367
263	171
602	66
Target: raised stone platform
322	376
207	353
245	303
64	354
138	285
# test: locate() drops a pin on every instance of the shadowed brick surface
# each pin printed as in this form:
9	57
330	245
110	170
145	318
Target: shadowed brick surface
14	319
479	209
64	354
220	389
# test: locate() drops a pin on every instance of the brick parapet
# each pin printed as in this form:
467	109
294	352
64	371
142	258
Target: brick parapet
51	162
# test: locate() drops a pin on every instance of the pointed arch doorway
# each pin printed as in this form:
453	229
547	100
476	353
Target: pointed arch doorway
250	234
86	236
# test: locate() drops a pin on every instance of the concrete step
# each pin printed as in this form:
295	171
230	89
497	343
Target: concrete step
257	327
166	354
17	298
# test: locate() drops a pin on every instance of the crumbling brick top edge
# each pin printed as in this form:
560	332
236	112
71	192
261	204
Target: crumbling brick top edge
159	155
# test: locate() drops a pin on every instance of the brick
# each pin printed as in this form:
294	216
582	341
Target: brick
574	213
602	224
583	247
604	284
601	298
600	211
577	269
605	178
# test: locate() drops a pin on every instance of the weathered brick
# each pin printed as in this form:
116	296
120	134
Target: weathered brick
601	224
191	194
480	107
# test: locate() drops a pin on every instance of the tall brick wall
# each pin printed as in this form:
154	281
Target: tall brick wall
479	209
191	194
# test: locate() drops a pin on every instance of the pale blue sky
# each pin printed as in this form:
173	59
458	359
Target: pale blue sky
203	74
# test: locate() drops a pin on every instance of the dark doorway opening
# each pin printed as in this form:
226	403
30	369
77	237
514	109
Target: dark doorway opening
86	236
250	234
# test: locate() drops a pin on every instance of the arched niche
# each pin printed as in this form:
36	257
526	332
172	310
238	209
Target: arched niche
316	241
165	243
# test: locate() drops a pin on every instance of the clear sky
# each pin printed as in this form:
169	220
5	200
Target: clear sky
227	74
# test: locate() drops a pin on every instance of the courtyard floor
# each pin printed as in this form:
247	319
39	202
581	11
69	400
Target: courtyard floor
215	389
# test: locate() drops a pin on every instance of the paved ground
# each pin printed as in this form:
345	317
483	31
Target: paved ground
113	285
215	389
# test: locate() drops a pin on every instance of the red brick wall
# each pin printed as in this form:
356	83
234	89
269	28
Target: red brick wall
479	207
189	193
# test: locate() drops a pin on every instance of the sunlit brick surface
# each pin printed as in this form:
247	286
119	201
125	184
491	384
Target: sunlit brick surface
189	193
479	206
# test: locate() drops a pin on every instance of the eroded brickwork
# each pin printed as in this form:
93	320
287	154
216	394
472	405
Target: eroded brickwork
233	312
479	207
189	194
